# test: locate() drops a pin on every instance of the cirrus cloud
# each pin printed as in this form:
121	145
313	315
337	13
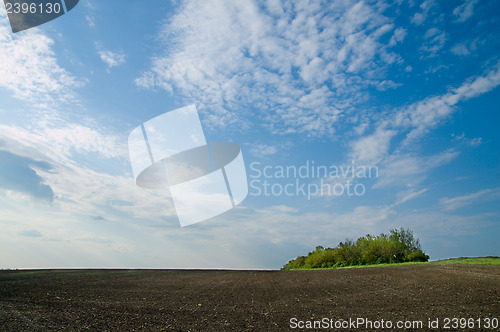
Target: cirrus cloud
303	65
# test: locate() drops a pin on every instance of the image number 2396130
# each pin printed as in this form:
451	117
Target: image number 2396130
26	14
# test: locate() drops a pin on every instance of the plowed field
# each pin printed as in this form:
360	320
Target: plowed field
122	300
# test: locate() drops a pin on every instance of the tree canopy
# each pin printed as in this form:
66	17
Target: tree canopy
396	247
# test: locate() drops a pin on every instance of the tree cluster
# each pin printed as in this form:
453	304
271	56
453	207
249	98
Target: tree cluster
396	247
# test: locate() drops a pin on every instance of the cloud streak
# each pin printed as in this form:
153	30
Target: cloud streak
112	59
451	204
28	66
415	120
465	11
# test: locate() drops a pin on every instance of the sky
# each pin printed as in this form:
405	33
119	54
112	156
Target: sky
353	118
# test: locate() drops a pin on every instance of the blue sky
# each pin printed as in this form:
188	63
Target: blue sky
409	88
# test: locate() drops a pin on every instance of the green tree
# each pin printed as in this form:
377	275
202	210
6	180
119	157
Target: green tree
400	245
405	242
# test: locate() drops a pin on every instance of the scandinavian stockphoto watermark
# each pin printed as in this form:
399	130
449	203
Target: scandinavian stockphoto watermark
205	179
26	14
356	323
309	179
363	323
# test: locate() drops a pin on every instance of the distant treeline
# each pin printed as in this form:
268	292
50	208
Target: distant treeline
396	247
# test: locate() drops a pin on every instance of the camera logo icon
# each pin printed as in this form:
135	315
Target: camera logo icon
205	179
25	14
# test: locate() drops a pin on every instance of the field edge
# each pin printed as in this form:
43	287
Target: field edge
486	260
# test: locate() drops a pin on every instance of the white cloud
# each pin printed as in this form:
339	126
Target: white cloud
112	59
29	68
373	148
264	150
398	36
434	41
90	21
460	49
420	17
409	195
427	5
451	204
302	69
59	142
465	11
467	47
410	169
472	142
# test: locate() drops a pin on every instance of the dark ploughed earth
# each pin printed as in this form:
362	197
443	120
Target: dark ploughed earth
122	300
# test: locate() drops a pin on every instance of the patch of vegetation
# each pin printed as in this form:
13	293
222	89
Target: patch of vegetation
398	246
488	260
